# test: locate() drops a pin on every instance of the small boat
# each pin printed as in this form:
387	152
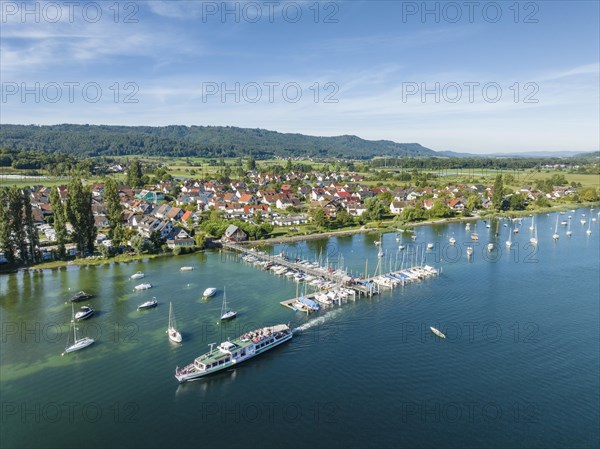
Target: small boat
474	236
226	314
80	296
429	246
77	343
555	235
468	227
148	304
452	241
210	291
377	242
569	232
589	229
174	334
490	247
84	313
401	247
138	275
594	219
469	251
144	286
437	332
186	269
532	227
306	304
414	236
509	241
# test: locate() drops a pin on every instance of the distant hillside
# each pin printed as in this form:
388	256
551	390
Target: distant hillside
526	154
205	141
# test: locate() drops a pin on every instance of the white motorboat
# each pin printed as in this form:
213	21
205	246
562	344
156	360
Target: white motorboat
469	251
555	235
186	269
452	241
148	304
80	296
490	247
437	332
138	275
210	291
84	313
141	287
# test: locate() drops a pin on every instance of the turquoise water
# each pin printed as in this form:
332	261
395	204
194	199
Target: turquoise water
519	366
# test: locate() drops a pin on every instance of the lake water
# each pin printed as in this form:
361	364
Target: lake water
519	367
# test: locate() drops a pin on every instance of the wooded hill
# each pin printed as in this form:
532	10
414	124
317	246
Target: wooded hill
202	141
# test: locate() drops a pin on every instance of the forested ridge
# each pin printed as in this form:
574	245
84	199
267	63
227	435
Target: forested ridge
203	141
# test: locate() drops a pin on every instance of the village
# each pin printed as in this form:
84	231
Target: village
173	211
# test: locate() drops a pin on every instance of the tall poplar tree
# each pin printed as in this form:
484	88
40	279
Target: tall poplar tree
30	229
134	174
79	213
498	193
15	211
60	222
114	211
6	240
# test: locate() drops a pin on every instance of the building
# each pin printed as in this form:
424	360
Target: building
234	234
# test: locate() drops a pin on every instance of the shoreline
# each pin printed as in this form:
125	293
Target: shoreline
384	229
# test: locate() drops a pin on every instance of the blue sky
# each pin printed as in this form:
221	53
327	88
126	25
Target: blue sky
453	79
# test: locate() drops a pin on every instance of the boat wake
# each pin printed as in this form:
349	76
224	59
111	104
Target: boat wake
317	321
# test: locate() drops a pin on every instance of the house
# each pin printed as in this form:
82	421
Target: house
457	204
174	213
290	220
234	234
179	237
247	198
263	208
147	225
100	221
162	211
286	201
151	196
428	204
396	207
186	216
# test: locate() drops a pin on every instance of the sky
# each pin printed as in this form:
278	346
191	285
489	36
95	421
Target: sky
478	77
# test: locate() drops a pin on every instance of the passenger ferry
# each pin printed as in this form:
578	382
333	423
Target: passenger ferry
230	353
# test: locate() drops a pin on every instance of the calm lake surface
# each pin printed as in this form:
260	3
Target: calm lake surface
519	367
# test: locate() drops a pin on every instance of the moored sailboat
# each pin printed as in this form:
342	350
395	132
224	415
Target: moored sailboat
226	314
77	343
174	334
